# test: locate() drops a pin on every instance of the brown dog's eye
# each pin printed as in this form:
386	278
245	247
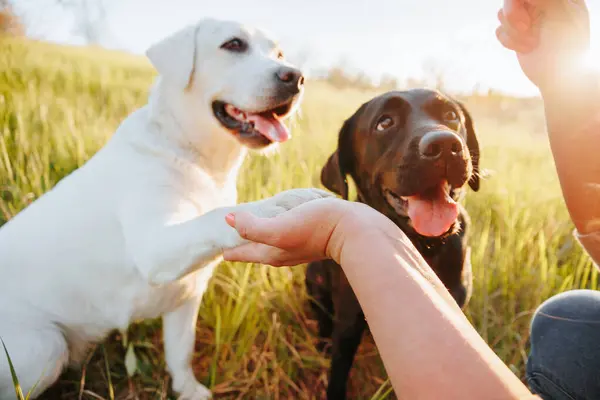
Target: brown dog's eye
450	116
236	45
384	123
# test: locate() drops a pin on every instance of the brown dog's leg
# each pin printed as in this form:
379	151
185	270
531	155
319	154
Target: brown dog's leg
319	289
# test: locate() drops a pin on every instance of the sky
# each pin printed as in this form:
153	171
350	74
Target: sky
376	36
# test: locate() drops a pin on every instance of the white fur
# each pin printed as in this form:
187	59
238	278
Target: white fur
138	230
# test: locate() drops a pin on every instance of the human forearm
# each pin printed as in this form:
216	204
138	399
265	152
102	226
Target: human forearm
572	109
573	121
420	331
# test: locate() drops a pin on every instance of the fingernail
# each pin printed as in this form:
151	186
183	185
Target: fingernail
230	219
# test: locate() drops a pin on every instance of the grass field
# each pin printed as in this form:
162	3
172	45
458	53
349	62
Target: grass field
256	339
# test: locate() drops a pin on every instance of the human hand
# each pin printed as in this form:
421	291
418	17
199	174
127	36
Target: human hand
550	37
312	231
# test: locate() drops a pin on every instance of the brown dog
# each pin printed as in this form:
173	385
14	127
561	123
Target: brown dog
410	154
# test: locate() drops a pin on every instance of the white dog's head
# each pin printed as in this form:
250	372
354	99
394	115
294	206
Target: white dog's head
236	73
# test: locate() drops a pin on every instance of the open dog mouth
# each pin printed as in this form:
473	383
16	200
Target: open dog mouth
432	212
262	127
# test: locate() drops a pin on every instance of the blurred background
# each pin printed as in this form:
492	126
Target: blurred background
375	39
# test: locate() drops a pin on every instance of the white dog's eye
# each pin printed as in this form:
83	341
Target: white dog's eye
280	54
384	123
236	45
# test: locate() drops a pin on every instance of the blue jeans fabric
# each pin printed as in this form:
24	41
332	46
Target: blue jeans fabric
564	362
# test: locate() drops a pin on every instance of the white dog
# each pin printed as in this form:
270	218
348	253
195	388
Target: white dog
137	231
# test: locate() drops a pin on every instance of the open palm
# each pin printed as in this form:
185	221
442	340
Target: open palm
312	231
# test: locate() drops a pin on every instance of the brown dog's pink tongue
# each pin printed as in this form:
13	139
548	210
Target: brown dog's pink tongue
270	127
432	216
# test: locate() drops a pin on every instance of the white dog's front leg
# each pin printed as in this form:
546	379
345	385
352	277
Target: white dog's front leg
179	334
188	247
166	246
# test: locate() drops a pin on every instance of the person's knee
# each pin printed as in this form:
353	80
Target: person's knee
571	305
565	349
565	319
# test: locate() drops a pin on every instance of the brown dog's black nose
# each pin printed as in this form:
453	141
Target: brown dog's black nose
290	77
436	145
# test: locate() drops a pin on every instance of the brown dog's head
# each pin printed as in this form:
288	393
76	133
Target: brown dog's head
410	153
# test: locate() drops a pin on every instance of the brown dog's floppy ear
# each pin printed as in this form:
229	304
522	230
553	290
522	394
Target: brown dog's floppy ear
333	174
473	146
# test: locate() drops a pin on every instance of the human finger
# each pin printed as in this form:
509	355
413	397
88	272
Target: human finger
265	254
292	228
256	229
511	43
527	38
517	14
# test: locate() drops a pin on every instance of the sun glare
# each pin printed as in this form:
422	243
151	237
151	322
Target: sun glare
592	59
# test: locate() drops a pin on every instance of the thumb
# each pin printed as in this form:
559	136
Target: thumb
255	229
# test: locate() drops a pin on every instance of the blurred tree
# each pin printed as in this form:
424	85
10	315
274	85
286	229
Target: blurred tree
434	74
10	23
90	18
362	81
338	77
413	83
388	82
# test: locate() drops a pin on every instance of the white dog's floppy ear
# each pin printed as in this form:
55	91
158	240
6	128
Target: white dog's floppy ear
174	57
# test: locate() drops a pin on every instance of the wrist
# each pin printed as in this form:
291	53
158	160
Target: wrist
352	245
350	223
345	230
359	227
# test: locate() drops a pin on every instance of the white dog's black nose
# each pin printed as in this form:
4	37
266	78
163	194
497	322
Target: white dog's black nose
445	144
291	77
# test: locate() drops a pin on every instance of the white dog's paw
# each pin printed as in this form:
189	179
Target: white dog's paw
192	390
287	200
271	207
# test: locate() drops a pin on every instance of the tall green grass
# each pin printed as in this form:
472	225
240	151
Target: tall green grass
255	337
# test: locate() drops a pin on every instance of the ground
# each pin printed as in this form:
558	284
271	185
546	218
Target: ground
256	338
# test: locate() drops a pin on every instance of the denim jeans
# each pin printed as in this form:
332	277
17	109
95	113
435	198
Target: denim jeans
564	362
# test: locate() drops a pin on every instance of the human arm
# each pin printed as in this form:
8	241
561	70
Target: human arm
550	38
428	346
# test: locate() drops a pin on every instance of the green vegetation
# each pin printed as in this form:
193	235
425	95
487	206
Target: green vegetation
255	337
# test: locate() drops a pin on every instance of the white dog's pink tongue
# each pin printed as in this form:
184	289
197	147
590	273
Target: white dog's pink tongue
270	127
434	215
